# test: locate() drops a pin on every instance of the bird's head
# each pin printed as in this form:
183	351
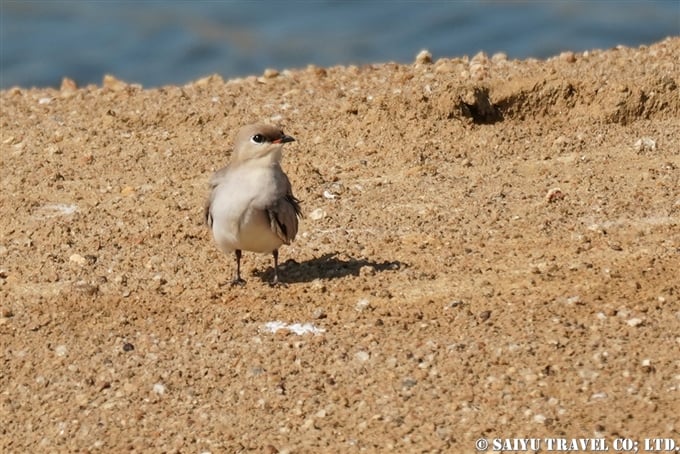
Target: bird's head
259	141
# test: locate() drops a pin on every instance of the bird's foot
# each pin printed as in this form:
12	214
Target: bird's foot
237	282
277	283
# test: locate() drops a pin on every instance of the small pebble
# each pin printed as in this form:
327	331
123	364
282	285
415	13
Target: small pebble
317	214
409	383
367	270
111	82
635	322
484	315
499	57
573	300
615	246
270	73
68	85
569	57
645	144
85	287
362	304
554	195
362	356
78	259
424	57
127	191
540	419
444	67
480	57
599	395
318	285
128	347
454	304
317	71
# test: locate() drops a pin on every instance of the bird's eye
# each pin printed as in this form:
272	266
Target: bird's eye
258	138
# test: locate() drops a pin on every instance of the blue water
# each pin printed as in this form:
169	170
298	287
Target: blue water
174	42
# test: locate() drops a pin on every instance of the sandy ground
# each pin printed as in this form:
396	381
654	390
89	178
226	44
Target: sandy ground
490	250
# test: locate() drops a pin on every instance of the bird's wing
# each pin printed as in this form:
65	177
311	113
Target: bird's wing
207	215
215	180
283	217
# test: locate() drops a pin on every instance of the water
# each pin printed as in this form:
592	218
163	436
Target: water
174	42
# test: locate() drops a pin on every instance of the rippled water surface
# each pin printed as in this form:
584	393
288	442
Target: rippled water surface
173	42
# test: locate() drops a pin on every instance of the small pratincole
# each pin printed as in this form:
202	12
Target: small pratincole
251	205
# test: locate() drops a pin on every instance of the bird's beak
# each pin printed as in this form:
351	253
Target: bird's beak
284	139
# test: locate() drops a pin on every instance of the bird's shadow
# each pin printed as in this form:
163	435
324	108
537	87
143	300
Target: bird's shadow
328	266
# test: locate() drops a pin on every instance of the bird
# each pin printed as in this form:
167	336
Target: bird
251	206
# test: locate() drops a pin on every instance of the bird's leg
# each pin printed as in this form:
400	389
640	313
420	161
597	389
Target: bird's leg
275	281
237	277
